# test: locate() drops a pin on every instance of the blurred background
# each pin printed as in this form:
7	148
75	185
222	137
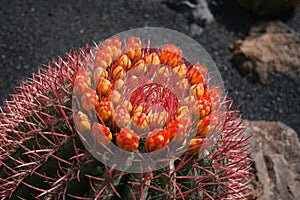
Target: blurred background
35	32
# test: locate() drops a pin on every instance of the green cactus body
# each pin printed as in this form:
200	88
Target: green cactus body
43	157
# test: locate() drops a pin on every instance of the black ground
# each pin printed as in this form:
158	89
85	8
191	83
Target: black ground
34	32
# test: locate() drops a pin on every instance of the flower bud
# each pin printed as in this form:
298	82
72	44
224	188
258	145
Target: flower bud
152	59
140	120
174	128
127	140
116	97
170	55
98	73
89	99
133	48
181	70
103	57
163	73
157	140
115	46
182	85
117	73
208	124
119	85
82	122
101	133
139	68
103	87
81	81
125	62
105	109
198	90
197	74
158	120
122	115
194	146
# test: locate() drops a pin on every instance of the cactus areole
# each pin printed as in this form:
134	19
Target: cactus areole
141	115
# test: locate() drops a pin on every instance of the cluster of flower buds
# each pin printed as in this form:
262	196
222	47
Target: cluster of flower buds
125	115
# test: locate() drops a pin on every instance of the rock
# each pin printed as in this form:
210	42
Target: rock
269	47
276	160
196	11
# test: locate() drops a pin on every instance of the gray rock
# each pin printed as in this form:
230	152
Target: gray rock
196	11
276	160
269	47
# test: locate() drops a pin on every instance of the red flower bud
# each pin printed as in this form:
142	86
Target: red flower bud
197	74
127	140
157	140
105	109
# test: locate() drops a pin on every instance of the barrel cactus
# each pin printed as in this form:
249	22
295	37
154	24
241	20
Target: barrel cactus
128	100
269	7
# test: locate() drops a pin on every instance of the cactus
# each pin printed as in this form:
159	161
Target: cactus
268	7
45	139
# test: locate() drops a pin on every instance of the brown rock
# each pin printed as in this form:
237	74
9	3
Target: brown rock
276	160
269	47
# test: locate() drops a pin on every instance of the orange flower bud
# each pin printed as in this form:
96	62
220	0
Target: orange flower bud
117	73
208	124
174	127
153	59
194	146
89	99
127	140
125	62
198	90
157	140
101	133
204	107
103	87
133	48
197	74
82	122
105	109
170	55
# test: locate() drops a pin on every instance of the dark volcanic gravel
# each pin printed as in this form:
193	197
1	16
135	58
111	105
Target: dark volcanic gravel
35	32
